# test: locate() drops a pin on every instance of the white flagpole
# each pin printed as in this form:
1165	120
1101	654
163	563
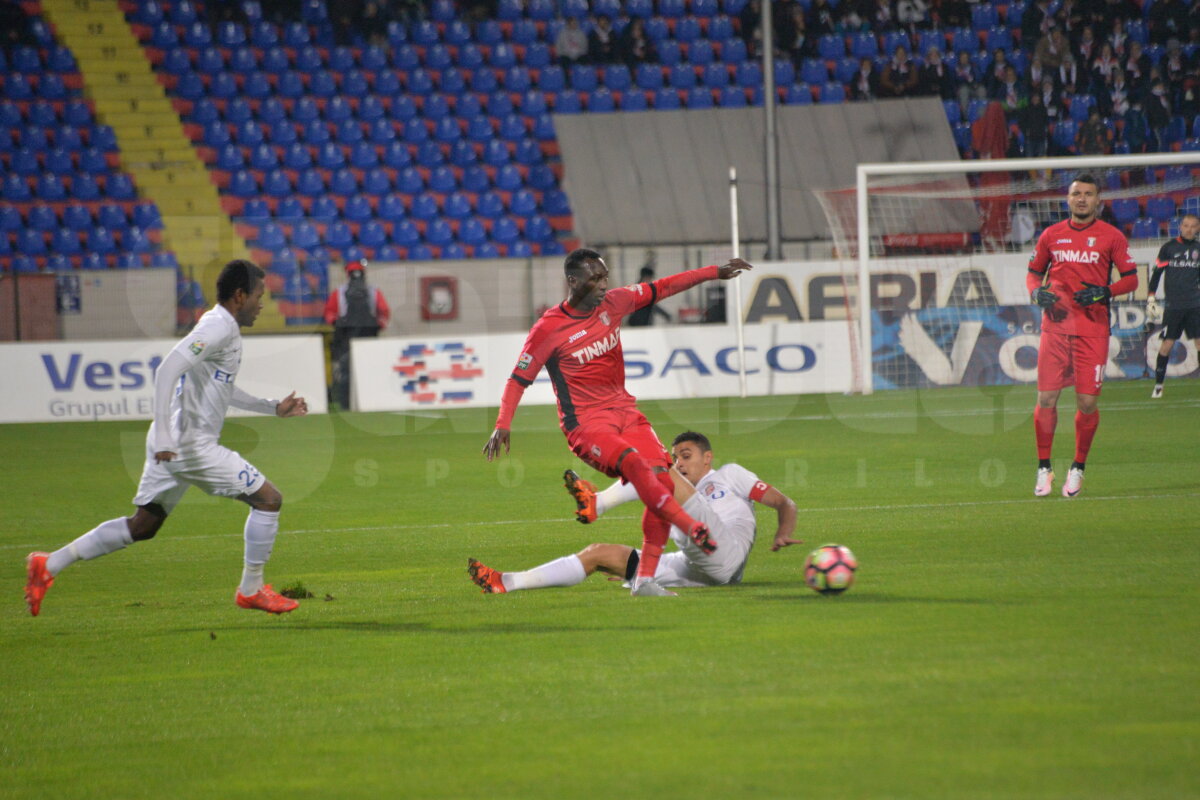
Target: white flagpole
737	283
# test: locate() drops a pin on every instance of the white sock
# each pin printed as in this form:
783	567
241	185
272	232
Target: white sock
615	495
261	527
565	571
107	537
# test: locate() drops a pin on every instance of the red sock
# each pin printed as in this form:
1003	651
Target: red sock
1044	422
655	531
656	491
1085	431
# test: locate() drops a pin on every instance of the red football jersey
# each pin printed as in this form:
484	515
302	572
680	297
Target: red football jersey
1074	255
582	352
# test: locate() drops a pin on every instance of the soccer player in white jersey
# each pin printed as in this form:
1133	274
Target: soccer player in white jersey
723	498
193	389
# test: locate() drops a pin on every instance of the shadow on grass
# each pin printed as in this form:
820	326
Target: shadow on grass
875	598
386	627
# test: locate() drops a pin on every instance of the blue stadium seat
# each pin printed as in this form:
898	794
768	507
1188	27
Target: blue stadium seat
357	208
617	77
682	76
42	218
669	53
864	45
833	92
748	74
831	46
339	235
75	216
1125	210
568	102
666	99
439	233
288	208
733	50
310	182
732	97
649	76
1145	228
508	178
490	205
555	203
687	30
601	101
343	183
812	70
505	231
276	183
475	179
964	40
1160	208
999	37
324	208
391	208
699	97
633	100
700	52
424	207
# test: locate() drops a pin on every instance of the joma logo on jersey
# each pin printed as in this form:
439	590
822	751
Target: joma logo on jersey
1076	256
598	348
576	335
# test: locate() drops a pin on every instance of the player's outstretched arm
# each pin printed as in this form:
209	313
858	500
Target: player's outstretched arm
785	509
498	439
733	268
291	406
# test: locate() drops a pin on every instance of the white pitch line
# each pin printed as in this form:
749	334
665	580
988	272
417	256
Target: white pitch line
820	510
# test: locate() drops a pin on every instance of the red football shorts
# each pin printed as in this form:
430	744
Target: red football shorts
603	436
1071	360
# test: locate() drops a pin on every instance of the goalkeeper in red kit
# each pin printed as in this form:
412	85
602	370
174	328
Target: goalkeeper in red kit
1069	279
579	343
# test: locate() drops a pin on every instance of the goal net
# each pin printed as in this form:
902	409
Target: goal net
942	248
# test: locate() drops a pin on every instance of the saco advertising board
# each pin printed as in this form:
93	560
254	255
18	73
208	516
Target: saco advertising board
68	381
698	361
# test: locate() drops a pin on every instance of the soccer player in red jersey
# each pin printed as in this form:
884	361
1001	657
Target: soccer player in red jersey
579	343
1069	278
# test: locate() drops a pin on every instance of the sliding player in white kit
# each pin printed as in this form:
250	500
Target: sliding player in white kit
193	389
722	498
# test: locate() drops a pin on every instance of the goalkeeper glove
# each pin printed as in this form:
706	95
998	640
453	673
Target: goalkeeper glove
1154	311
1091	294
1044	297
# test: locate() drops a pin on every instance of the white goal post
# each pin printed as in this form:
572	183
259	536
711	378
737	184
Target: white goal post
921	217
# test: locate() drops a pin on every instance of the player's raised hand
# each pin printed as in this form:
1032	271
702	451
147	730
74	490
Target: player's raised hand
498	438
291	406
782	540
732	268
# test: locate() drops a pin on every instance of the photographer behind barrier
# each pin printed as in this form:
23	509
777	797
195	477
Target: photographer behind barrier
356	309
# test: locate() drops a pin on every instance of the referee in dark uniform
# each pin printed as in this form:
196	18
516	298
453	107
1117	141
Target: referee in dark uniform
1180	259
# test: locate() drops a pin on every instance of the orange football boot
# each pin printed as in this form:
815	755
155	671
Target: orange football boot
37	580
268	600
584	493
486	578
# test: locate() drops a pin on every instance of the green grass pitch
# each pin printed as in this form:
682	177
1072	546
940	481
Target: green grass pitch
995	645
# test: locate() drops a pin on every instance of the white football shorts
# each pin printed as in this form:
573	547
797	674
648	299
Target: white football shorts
213	469
691	567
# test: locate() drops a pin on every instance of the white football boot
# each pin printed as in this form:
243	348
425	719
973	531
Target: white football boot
1045	482
1074	484
1157	393
648	587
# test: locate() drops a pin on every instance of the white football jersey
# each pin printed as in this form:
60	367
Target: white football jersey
730	492
201	400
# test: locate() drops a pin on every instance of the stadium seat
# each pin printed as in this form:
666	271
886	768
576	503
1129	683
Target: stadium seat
864	45
42	219
732	97
1125	210
833	92
812	70
666	99
682	76
508	178
831	46
1145	228
601	101
568	102
406	234
699	97
1160	208
633	100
